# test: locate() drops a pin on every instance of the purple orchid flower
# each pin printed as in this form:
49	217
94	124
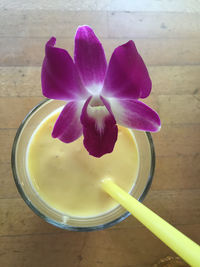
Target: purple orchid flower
98	96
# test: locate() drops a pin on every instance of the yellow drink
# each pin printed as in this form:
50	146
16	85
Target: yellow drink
68	179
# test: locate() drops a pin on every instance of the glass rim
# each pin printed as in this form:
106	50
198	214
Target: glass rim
53	222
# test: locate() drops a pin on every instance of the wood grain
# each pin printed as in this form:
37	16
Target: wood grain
7	185
176	109
167	35
41	250
106	248
153	25
177	140
180	172
185	6
20	24
175	80
143	25
21	106
6	141
28	51
20	81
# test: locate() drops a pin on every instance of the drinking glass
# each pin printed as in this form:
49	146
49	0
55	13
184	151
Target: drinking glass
32	198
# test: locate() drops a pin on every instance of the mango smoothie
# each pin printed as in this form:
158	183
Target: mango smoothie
68	179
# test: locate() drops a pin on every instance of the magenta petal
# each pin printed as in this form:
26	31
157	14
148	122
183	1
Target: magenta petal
90	59
99	129
135	114
127	75
68	126
60	78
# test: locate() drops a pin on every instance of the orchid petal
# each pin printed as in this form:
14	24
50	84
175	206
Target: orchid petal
60	78
99	129
68	127
90	59
127	75
135	114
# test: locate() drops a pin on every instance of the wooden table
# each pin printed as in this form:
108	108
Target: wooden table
167	34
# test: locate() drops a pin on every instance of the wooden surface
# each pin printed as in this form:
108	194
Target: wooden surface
167	34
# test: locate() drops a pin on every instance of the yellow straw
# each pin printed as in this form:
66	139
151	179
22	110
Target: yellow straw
178	242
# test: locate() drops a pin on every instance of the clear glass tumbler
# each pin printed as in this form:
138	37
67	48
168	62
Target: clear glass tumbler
33	200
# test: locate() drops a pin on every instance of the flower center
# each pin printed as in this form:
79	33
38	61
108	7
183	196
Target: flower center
94	88
96	101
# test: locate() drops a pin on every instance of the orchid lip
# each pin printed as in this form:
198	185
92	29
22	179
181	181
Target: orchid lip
98	111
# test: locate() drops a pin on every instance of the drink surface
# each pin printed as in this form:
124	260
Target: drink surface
68	179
